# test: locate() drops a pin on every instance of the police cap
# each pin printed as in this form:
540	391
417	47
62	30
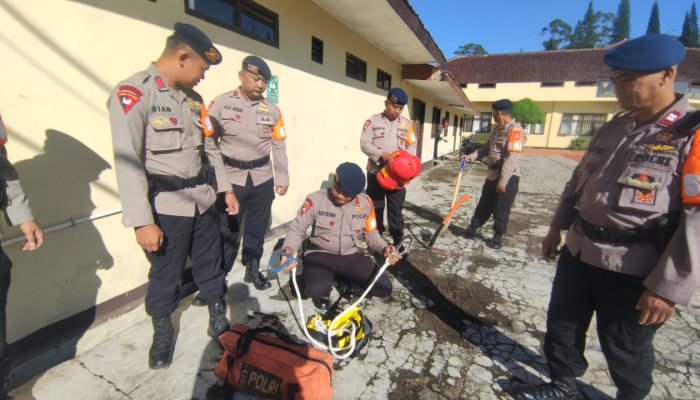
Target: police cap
350	178
647	53
198	41
503	105
257	66
398	96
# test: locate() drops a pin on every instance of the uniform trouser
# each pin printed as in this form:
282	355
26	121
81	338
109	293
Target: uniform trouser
321	268
395	200
498	204
580	289
253	217
197	237
5	267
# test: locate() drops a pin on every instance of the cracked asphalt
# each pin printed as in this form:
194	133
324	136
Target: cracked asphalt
463	323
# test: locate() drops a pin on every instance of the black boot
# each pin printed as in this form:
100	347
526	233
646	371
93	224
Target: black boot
198	301
253	275
554	390
497	241
161	353
218	323
471	231
321	305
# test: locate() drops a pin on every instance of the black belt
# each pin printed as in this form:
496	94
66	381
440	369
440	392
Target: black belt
247	164
616	236
170	183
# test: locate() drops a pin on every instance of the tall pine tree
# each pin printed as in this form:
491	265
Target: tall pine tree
685	32
585	35
694	37
654	25
621	25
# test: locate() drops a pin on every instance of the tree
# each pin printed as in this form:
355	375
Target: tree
685	32
559	32
585	35
471	49
527	112
654	25
694	37
621	24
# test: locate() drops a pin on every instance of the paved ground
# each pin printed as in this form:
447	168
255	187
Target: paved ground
459	326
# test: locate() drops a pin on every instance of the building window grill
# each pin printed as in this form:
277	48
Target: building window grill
245	17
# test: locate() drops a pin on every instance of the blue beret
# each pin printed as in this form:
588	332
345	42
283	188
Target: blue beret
503	105
198	41
646	54
398	96
351	178
257	66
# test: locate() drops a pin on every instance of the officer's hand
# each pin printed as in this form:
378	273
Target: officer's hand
550	243
501	188
231	201
469	157
281	189
385	156
654	308
33	235
150	237
285	253
391	254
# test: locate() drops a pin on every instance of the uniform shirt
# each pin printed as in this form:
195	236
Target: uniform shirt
15	203
629	176
156	129
380	135
335	229
245	129
496	151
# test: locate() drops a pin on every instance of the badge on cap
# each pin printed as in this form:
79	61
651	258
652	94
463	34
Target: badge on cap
394	99
212	55
253	69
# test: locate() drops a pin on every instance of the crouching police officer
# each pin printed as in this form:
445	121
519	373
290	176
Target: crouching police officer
250	129
163	155
632	210
338	216
383	134
502	156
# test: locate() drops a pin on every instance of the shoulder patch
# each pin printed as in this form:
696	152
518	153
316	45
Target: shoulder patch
128	97
308	205
367	124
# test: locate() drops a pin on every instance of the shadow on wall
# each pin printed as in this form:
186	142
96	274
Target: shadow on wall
64	270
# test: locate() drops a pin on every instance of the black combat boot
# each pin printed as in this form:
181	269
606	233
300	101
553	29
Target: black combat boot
218	323
554	390
497	241
471	231
254	276
321	305
161	353
198	301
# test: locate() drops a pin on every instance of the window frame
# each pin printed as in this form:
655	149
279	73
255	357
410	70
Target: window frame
357	61
576	122
235	26
384	75
316	41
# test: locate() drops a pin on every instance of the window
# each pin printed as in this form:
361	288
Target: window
355	68
487	85
383	80
480	124
242	16
552	84
586	83
581	124
534	129
316	50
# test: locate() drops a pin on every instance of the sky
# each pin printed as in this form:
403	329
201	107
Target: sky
508	26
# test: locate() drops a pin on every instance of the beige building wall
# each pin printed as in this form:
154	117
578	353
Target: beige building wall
62	60
554	101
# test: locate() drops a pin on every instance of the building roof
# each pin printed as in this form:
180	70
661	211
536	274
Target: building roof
549	66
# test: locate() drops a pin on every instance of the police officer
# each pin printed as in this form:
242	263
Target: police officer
15	207
383	134
338	216
502	156
164	156
250	130
631	210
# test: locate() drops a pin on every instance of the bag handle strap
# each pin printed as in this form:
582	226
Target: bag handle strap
246	338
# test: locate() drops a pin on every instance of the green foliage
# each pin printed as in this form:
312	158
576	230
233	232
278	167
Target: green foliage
527	112
685	33
654	25
621	24
559	32
694	36
471	49
594	30
579	143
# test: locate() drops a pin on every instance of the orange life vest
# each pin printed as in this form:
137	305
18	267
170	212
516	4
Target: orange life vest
690	188
207	126
515	140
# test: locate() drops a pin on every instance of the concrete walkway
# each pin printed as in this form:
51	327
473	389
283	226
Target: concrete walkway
458	326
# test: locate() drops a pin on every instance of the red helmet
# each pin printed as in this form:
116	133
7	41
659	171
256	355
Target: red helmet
399	169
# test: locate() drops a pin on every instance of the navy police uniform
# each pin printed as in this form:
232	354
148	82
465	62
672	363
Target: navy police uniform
632	234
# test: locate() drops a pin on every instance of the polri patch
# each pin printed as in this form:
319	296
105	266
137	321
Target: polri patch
128	97
644	196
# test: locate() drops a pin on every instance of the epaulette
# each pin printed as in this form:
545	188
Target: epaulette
689	123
